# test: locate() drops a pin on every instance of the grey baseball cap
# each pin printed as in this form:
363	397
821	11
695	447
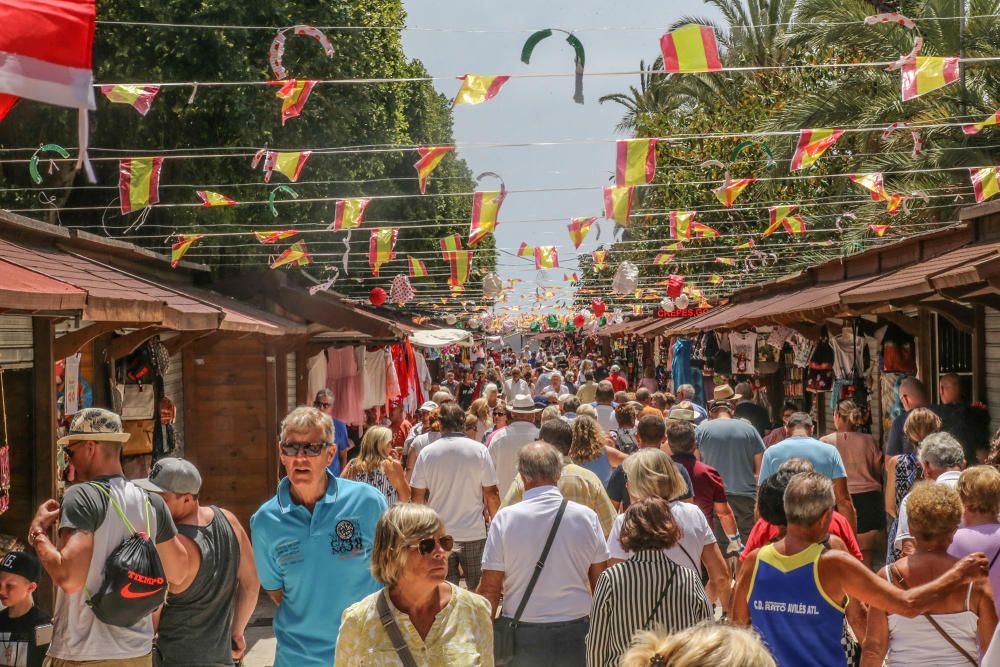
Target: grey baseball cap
173	476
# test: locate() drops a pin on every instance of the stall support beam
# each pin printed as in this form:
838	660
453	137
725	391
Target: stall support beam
43	473
979	354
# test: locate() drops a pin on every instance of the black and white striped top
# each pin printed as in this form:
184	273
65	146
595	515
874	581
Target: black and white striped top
625	596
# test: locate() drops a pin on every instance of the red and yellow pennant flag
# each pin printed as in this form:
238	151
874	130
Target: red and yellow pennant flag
209	198
295	255
450	244
139	98
459	261
600	258
976	128
618	203
715	279
749	245
275	236
418	269
879	230
726	261
579	228
546	257
381	247
570	277
293	95
184	243
485	209
349	213
478	89
290	164
636	162
139	182
683	226
663	258
430	158
730	190
986	182
525	250
926	73
691	48
812	144
781	216
873	183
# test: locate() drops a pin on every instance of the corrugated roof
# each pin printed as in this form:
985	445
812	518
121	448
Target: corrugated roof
24	289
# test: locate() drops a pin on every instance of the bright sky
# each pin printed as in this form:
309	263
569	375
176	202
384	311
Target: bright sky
616	36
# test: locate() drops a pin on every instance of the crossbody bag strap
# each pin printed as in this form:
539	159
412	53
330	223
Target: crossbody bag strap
663	595
392	629
930	619
541	561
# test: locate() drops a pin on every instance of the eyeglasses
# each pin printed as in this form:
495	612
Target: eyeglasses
426	545
67	450
323	406
299	448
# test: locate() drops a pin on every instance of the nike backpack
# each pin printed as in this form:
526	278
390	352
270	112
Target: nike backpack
134	583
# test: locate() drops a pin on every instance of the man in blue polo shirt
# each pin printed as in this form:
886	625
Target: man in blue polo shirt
324	403
313	542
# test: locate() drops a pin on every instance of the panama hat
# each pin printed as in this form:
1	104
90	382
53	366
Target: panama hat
523	405
725	393
95	424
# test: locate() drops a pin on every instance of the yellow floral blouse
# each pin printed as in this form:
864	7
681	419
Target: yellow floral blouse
461	636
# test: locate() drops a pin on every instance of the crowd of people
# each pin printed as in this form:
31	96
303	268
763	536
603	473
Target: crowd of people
539	510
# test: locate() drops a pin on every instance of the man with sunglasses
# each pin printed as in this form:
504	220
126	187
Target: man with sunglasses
324	403
313	542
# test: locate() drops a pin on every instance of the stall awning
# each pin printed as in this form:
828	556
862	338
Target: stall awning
437	338
24	289
239	317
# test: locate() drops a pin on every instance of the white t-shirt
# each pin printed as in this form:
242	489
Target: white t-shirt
512	388
504	448
454	472
949	478
695	536
743	347
606	418
517	536
418	443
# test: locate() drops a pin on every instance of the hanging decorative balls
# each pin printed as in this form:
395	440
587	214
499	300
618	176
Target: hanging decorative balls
667	304
675	285
377	296
579	320
597	305
492	286
682	301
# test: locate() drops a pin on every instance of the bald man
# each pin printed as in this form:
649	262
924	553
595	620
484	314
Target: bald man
912	395
969	425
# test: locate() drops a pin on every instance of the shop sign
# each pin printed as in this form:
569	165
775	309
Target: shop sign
681	312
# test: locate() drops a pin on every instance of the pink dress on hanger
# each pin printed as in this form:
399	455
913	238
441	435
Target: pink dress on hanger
343	380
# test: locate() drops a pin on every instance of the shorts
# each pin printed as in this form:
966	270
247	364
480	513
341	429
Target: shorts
870	508
143	661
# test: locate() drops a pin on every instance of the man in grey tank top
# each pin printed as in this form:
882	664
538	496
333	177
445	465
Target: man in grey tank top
205	616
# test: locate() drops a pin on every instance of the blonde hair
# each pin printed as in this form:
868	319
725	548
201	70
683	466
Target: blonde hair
480	409
920	423
979	489
850	412
550	412
588	440
374	449
306	418
705	645
651	472
402	523
586	410
471	422
934	510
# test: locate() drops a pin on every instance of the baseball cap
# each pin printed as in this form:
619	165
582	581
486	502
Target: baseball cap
172	476
22	563
428	406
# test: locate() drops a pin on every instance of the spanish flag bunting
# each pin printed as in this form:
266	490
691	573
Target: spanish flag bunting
139	182
274	237
184	243
683	226
872	183
812	144
976	128
477	89
663	258
525	250
879	230
637	309
579	228
349	213
926	73
430	158
600	258
295	255
418	269
546	257
726	261
986	182
636	162
290	164
381	247
618	203
781	216
450	243
293	95
570	277
749	245
691	48
715	279
730	190
485	209
139	98
459	261
209	198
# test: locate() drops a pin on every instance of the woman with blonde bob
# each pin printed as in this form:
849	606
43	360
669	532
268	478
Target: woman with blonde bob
376	466
590	448
705	645
649	473
440	623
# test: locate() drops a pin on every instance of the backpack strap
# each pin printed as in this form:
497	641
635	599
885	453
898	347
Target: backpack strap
121	513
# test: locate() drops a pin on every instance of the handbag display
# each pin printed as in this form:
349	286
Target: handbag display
504	628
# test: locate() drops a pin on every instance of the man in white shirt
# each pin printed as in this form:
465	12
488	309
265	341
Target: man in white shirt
515	385
457	475
942	459
544	379
556	385
555	620
506	444
605	406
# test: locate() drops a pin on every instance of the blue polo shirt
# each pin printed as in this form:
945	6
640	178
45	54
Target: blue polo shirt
342	442
320	560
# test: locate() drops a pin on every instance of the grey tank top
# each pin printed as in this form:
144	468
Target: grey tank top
195	625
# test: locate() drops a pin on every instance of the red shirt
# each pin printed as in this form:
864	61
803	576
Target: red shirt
399	433
618	382
706	483
763	533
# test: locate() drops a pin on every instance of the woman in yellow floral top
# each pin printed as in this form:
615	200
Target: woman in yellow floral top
443	625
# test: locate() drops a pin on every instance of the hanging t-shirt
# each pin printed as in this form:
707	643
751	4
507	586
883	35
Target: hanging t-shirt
848	355
802	350
744	351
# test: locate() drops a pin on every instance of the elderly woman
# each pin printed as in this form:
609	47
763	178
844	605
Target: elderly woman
705	645
979	489
376	466
960	625
904	470
439	623
651	473
648	590
590	448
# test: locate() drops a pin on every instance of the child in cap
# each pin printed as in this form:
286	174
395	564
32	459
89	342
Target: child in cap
20	620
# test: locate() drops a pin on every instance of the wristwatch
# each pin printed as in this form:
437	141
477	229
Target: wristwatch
33	535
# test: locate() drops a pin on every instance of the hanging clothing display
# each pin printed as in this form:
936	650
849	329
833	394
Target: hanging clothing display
680	367
848	355
802	350
393	389
423	373
343	379
315	375
743	347
374	378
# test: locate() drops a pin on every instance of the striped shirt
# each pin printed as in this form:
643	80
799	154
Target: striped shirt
626	595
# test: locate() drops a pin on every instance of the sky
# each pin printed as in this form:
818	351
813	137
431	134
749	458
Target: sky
615	36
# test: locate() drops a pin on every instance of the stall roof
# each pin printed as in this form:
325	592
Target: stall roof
24	289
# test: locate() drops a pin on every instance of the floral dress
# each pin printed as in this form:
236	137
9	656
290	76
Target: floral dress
908	472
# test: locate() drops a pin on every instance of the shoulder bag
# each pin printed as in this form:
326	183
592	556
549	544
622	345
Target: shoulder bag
504	628
663	595
392	629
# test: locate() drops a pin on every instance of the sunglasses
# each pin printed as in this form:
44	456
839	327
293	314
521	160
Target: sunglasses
500	413
299	448
67	450
426	545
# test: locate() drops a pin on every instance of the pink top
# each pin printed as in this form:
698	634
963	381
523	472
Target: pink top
862	460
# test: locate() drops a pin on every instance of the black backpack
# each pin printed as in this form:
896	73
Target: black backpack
626	442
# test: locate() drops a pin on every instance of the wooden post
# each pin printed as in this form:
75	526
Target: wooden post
272	418
43	473
979	354
926	370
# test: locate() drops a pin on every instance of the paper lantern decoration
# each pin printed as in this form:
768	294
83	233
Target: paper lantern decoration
626	278
492	285
597	305
682	301
675	285
579	320
377	296
667	303
617	316
401	291
552	322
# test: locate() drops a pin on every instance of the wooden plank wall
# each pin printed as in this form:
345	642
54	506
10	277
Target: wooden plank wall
17	386
229	417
